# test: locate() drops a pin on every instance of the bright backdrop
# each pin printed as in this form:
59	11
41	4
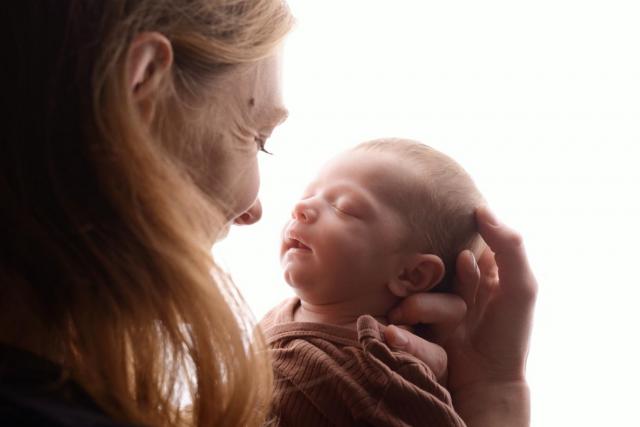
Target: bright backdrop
540	102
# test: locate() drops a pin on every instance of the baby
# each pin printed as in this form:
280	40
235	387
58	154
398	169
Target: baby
382	221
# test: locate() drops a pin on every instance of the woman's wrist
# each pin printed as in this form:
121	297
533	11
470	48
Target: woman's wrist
494	404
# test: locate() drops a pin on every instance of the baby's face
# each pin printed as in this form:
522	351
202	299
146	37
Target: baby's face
342	242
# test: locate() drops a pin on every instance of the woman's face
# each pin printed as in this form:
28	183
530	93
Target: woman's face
247	107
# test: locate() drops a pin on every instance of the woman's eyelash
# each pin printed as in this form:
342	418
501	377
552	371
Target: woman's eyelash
262	142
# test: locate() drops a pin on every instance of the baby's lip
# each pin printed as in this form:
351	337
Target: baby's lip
293	240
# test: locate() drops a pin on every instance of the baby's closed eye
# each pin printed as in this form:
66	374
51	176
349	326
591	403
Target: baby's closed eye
345	208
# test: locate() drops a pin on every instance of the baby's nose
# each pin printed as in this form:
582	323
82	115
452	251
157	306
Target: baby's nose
303	212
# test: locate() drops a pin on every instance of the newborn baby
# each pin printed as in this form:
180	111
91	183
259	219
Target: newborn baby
380	222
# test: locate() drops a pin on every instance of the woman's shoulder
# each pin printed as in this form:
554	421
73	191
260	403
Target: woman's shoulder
34	392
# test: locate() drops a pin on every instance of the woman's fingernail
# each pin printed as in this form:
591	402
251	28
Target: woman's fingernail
475	263
398	338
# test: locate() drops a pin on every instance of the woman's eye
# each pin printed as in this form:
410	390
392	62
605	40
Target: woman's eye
261	141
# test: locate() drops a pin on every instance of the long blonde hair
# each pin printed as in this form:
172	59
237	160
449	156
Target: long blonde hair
106	266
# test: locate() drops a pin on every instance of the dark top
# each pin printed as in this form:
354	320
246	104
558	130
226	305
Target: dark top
34	392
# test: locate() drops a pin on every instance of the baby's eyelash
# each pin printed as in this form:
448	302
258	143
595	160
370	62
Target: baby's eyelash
262	142
343	212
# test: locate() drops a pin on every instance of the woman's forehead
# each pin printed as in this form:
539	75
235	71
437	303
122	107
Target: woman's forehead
255	91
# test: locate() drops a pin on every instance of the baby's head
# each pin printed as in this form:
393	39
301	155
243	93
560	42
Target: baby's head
380	221
436	202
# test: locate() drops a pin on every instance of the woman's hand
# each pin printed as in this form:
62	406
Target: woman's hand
444	310
486	351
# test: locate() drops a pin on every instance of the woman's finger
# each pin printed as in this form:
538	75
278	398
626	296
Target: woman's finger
511	291
431	354
467	277
489	281
514	271
435	315
431	308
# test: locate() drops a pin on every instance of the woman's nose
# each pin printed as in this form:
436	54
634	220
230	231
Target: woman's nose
304	212
250	216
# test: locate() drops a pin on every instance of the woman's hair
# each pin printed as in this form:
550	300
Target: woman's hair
106	266
437	203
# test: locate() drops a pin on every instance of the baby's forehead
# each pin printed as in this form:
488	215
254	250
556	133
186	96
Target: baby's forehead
381	174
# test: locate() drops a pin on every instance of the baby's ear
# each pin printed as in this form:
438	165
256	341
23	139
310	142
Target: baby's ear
420	273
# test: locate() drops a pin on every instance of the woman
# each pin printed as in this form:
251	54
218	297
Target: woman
129	146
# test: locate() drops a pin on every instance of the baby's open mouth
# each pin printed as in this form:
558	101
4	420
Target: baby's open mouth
297	244
293	241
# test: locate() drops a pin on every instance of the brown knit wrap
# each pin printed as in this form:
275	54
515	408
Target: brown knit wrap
327	375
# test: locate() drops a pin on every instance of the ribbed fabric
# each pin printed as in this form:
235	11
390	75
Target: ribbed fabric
327	375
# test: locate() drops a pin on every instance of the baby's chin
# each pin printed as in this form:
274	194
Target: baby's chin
305	290
296	278
301	291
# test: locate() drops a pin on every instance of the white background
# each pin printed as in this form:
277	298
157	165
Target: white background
540	102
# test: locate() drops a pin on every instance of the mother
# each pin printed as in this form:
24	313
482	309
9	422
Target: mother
129	145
